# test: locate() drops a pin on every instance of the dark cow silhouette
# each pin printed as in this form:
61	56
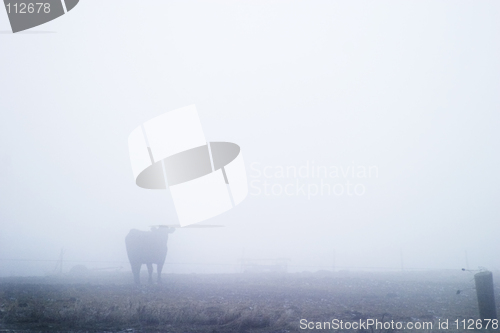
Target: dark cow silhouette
147	247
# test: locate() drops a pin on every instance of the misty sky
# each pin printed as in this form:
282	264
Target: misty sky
410	88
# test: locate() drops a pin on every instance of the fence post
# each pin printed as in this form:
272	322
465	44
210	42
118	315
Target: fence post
485	295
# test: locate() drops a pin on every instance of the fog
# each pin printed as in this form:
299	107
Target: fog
394	103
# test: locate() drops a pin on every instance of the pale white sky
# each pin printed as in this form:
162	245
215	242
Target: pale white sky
409	87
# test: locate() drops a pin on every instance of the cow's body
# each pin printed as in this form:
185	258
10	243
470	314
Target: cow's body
147	247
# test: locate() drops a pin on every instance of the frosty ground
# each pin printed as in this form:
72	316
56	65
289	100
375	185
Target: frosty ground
109	302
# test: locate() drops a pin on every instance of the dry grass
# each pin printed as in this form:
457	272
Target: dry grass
231	303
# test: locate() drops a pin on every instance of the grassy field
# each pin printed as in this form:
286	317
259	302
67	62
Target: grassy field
234	302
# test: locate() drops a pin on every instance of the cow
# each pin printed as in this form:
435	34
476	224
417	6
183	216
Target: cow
147	247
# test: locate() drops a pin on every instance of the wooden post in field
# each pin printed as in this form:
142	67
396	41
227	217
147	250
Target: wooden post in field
485	295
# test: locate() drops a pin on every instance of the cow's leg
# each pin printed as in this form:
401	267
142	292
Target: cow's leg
150	272
136	270
159	267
